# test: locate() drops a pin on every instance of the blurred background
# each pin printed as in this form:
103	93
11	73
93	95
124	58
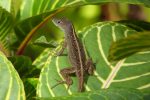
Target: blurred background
88	14
82	16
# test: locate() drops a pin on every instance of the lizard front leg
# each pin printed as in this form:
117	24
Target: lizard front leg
64	45
66	75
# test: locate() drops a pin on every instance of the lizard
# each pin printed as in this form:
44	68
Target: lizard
80	65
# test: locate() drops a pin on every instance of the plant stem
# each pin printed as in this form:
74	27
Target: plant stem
33	31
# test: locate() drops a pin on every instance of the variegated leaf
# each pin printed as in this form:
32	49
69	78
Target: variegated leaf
6	26
11	86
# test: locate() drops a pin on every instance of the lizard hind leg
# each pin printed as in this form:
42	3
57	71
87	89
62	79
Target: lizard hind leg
66	75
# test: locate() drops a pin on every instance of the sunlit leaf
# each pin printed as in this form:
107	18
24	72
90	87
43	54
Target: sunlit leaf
12	6
6	4
15	6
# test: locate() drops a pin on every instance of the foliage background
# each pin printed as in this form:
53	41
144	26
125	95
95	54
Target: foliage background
29	40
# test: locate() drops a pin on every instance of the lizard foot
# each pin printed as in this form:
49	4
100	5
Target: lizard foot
62	82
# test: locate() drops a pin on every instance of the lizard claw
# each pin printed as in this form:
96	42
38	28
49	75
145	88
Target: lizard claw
58	82
62	82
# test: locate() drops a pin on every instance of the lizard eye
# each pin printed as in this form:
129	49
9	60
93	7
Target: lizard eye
59	22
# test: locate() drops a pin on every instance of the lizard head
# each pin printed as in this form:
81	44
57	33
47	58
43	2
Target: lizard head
63	23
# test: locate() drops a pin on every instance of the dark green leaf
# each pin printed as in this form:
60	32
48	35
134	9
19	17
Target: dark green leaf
130	45
137	25
23	65
30	87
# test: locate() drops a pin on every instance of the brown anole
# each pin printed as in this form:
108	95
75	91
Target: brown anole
80	65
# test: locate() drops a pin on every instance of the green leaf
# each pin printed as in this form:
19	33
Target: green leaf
6	4
105	94
30	87
15	6
42	41
130	45
132	72
11	86
12	6
23	65
39	61
6	26
136	24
